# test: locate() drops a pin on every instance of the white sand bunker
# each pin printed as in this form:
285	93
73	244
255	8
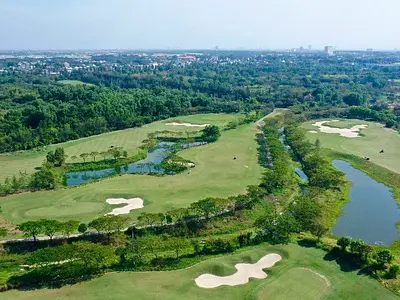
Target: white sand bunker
186	124
133	203
352	132
244	272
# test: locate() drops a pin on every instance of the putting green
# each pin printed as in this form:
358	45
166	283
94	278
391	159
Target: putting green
296	283
373	139
216	174
26	161
285	281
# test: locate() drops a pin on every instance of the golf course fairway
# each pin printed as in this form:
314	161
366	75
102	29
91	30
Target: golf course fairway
303	273
216	174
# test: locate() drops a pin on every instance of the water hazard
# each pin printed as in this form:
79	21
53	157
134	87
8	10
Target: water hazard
154	157
372	213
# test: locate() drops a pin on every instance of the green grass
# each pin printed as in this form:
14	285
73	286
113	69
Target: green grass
297	279
73	82
130	139
285	281
216	175
373	140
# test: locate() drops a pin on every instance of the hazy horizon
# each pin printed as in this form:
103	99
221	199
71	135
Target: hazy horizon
191	25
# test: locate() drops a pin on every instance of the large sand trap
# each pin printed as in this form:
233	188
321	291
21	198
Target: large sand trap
352	132
187	124
133	203
244	272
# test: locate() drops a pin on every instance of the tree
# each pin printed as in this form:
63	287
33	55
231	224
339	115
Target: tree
98	224
74	158
343	242
94	255
82	228
109	224
148	219
204	207
393	272
353	99
69	227
104	154
59	157
94	154
306	211
31	228
319	230
277	229
178	245
361	249
50	227
179	213
50	157
384	257
84	156
244	239
210	133
46	178
317	143
3	232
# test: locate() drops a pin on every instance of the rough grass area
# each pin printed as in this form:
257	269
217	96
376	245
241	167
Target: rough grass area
216	174
285	281
130	139
372	140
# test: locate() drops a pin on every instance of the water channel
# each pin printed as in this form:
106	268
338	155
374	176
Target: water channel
372	213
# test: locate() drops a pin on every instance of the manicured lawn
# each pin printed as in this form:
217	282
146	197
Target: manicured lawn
373	140
216	174
130	139
297	279
285	281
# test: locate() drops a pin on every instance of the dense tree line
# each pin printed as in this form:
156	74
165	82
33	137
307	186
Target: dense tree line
319	170
58	114
273	156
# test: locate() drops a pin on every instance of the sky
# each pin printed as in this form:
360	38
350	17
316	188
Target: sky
198	24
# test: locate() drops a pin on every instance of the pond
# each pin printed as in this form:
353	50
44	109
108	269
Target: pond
372	213
156	157
301	174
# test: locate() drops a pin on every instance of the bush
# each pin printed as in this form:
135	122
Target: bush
215	246
393	271
82	228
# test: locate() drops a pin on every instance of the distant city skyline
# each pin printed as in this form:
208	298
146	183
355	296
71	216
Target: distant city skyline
178	24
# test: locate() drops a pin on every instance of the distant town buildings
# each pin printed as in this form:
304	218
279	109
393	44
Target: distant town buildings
330	50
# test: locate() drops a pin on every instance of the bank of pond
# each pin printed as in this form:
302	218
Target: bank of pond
372	212
151	164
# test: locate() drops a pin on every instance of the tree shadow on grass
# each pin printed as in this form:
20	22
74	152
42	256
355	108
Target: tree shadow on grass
307	243
342	260
346	261
52	277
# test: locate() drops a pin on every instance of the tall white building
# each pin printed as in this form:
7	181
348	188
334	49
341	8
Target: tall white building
329	50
